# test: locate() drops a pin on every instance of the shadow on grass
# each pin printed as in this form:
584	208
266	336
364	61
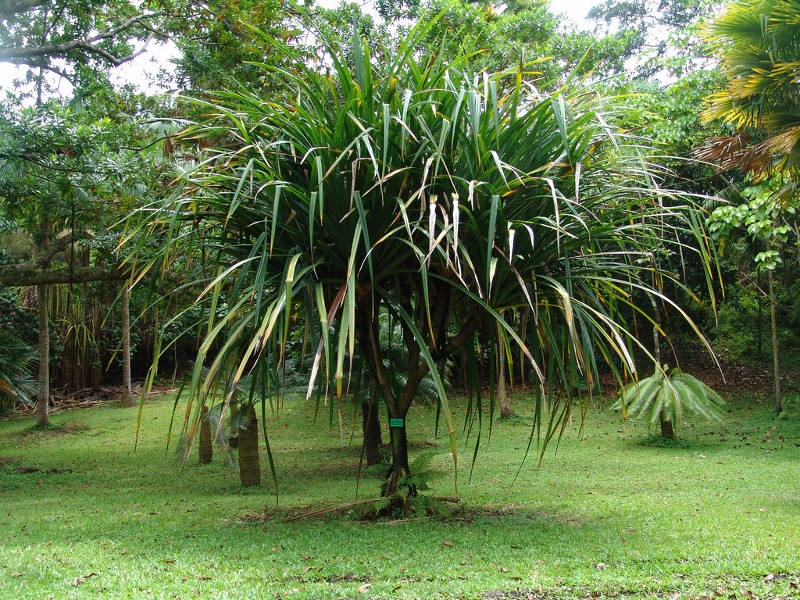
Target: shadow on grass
52	430
658	441
693	442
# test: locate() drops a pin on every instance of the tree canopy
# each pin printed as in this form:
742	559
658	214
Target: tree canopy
66	35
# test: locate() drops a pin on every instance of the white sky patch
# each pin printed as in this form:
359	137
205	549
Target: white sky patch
575	10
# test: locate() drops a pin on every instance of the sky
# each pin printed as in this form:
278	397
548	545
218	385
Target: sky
136	71
574	9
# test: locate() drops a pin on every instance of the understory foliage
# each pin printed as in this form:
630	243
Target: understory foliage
399	186
17	362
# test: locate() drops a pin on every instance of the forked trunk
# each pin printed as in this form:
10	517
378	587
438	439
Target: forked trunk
667	430
206	448
372	428
249	464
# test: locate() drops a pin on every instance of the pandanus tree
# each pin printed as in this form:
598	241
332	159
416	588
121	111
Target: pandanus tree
399	186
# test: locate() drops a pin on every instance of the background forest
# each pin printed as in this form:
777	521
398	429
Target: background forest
80	152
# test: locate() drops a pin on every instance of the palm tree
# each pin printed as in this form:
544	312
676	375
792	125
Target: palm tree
758	45
664	398
401	187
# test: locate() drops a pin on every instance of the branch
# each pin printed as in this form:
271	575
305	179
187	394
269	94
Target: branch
468	326
61	73
42	261
23	55
17	277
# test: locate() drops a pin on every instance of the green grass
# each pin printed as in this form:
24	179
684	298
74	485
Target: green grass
607	515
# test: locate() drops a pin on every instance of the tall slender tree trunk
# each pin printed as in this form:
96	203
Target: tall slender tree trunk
43	399
524	336
233	418
667	429
249	463
206	447
127	396
396	406
371	426
502	397
760	320
776	363
398	403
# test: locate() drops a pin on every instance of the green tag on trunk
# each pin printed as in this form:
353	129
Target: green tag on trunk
395	422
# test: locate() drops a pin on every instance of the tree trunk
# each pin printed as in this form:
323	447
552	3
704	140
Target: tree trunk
399	468
233	438
760	319
16	275
43	399
372	427
367	324
43	402
776	363
667	430
206	447
249	464
656	338
396	406
502	397
127	396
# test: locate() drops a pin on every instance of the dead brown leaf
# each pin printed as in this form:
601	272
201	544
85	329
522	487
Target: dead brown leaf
79	580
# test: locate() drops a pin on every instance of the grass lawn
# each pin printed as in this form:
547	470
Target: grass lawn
83	515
